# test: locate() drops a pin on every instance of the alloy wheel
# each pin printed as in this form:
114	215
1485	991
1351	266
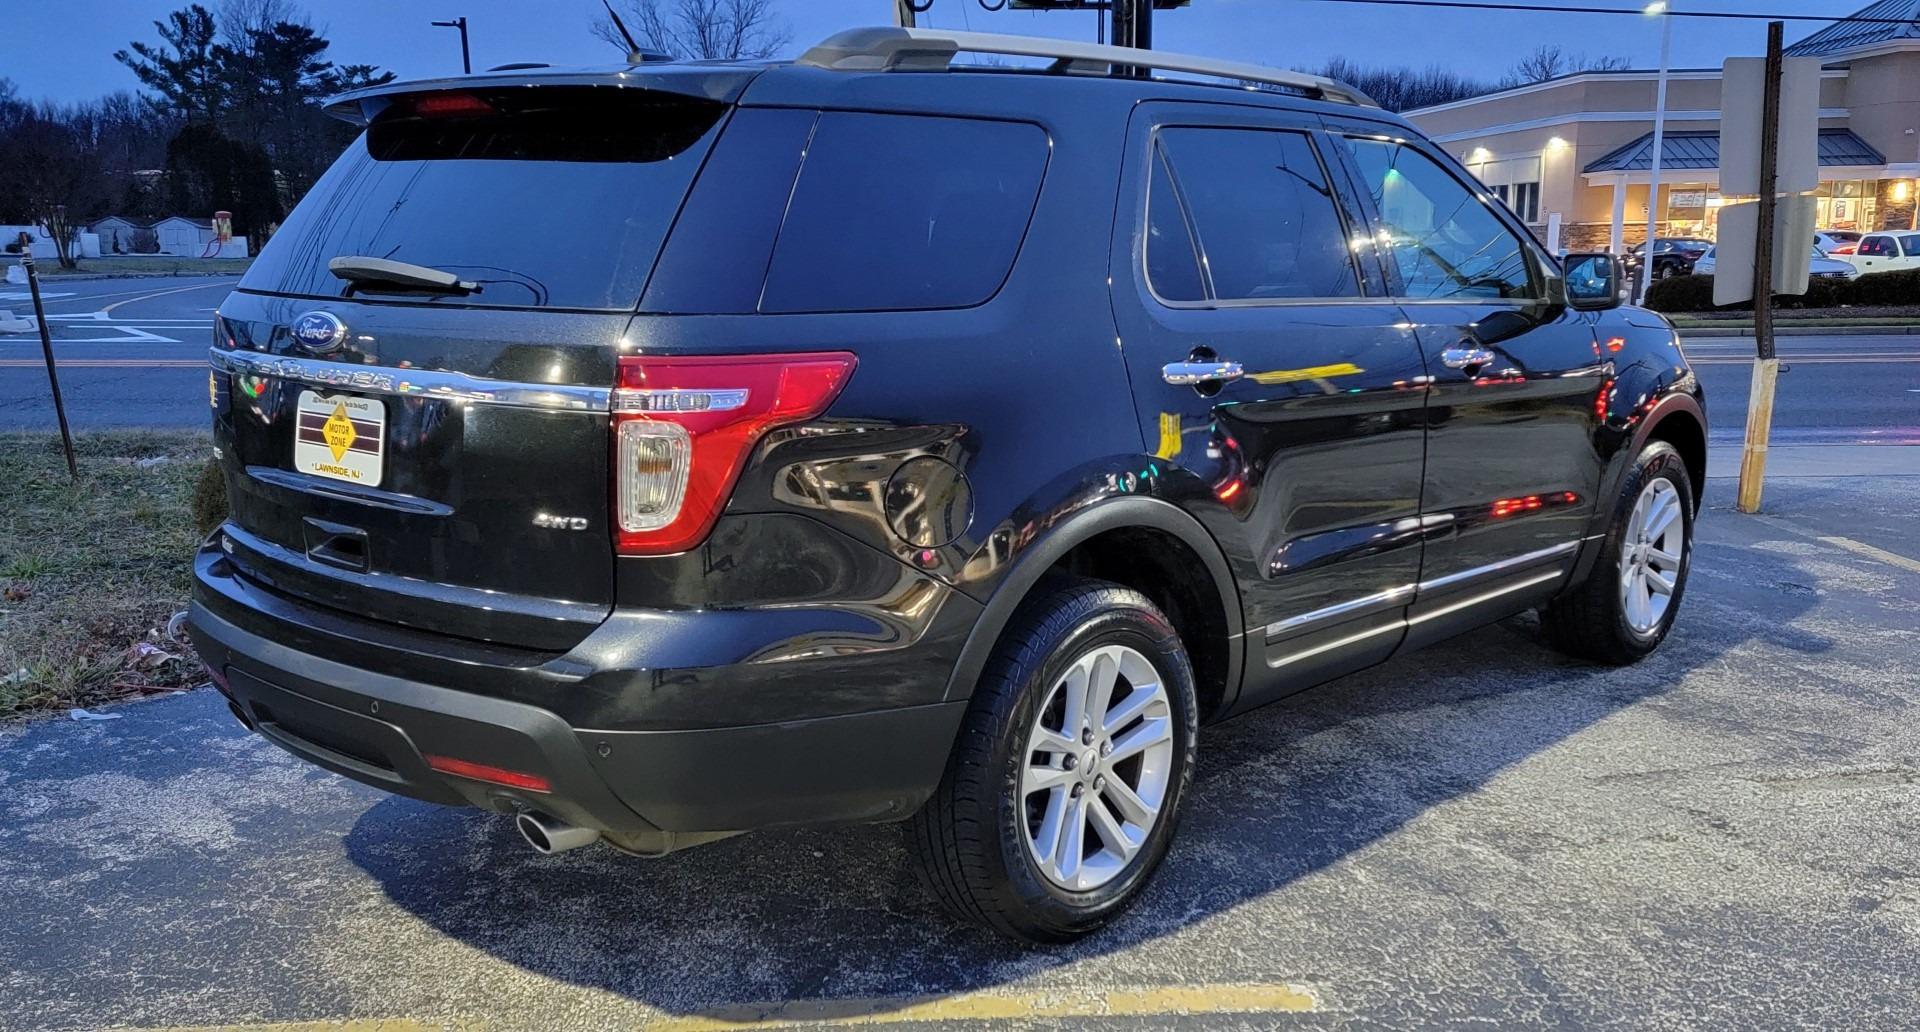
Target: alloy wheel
1097	767
1651	555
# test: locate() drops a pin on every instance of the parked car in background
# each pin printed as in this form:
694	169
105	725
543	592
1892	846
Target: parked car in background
1837	241
1672	256
1821	267
769	459
1887	252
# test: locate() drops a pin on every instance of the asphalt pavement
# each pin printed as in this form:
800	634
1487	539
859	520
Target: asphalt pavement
1484	834
133	353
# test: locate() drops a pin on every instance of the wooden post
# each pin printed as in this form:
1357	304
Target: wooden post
46	348
1766	367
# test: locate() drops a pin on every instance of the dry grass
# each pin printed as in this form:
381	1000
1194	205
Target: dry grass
91	572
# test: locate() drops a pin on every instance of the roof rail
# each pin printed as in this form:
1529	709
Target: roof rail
885	48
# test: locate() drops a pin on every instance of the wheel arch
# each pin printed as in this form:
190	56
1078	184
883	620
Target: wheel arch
1678	419
1088	542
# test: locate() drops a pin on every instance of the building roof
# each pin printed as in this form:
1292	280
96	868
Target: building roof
1846	36
1700	148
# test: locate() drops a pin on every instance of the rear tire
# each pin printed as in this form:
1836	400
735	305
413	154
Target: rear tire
1042	834
1629	600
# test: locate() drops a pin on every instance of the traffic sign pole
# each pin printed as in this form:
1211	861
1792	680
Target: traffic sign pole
1766	366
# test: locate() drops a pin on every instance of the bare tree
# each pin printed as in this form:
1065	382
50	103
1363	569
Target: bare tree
1403	89
242	22
1551	61
700	29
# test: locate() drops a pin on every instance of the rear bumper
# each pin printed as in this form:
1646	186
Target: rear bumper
647	791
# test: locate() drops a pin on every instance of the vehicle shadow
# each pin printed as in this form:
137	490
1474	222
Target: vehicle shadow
838	913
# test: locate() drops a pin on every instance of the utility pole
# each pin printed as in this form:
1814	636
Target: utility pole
1658	9
1133	27
466	62
1766	367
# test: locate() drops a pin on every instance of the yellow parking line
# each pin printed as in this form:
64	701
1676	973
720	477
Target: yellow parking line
1856	547
1161	1001
869	1012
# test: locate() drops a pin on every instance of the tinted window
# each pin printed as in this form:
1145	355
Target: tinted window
1172	267
1264	215
716	259
901	211
1911	244
1444	239
1876	246
547	197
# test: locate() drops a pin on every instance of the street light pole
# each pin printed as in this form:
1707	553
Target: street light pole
1658	8
466	63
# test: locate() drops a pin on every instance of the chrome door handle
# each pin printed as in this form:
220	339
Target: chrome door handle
1462	358
1186	374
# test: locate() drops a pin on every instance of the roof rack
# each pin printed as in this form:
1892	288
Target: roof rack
884	48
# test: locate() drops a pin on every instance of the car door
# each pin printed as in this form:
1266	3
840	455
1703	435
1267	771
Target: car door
1277	385
1909	250
1516	380
1878	252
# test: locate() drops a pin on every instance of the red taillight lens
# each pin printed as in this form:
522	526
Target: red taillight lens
682	427
491	775
1844	249
450	105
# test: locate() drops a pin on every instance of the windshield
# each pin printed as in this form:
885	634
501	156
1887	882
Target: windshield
549	197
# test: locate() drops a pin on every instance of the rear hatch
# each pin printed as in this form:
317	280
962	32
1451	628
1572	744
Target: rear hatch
438	456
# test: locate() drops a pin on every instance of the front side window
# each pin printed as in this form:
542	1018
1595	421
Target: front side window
1445	240
1912	244
1265	216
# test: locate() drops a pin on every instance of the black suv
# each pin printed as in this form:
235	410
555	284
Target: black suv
664	452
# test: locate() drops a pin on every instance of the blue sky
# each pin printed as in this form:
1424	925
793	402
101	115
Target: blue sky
63	50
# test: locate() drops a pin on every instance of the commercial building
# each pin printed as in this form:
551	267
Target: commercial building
1582	145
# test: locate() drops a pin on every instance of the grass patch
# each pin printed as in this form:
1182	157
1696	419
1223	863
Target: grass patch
163	265
91	572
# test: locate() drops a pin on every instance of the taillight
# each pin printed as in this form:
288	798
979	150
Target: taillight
1844	249
682	428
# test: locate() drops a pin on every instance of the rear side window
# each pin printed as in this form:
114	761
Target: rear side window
904	211
1173	267
547	197
1446	241
1877	247
838	211
1266	219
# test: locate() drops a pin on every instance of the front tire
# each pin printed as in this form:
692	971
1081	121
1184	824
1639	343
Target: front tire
1065	787
1628	603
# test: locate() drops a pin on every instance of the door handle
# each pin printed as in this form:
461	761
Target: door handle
1465	357
1187	374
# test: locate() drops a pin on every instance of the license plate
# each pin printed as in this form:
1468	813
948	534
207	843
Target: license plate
341	436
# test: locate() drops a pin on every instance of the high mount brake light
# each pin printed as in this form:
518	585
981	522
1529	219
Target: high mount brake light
682	428
449	105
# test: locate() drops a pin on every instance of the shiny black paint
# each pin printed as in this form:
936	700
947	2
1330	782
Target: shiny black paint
818	595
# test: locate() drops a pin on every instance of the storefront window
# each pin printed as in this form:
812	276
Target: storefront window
1516	181
1846	204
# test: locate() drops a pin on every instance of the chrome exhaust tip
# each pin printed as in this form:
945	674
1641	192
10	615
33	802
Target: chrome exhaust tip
548	835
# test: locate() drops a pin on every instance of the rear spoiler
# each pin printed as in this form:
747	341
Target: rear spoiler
723	83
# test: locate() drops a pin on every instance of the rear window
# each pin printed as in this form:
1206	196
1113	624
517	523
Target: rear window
551	197
853	212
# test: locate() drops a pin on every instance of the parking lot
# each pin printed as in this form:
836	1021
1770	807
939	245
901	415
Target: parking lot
1481	834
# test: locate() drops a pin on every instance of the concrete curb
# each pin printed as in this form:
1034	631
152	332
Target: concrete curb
1803	331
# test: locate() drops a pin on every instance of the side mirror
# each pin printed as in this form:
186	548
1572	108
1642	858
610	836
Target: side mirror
1593	282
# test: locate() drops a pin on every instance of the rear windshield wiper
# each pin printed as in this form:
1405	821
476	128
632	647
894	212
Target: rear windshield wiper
386	276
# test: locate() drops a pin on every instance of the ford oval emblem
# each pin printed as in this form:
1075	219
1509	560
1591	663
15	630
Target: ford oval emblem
319	332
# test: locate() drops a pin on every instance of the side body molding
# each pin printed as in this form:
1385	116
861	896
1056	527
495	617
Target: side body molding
1133	511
